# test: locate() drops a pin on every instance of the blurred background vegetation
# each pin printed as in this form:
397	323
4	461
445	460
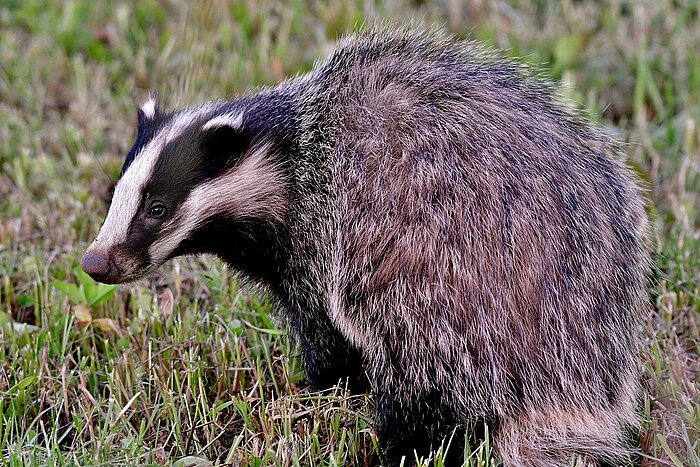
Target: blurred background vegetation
187	366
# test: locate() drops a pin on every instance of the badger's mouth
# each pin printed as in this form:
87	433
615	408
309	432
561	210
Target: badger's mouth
112	268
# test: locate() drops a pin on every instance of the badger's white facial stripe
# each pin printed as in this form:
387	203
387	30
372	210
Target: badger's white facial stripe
253	189
129	189
232	120
149	107
127	196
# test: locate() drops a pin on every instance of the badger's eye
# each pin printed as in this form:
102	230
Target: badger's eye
157	211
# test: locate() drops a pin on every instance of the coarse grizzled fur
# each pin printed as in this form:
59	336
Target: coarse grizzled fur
431	220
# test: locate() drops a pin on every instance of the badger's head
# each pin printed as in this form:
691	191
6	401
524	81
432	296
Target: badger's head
191	177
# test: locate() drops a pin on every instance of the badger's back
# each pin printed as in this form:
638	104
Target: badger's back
484	238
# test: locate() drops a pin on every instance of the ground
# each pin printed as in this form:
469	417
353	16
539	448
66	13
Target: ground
187	365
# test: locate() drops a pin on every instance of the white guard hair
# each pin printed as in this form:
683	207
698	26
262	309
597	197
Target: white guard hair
149	107
234	120
129	189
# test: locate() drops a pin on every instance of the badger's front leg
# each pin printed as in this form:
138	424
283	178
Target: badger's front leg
327	357
418	426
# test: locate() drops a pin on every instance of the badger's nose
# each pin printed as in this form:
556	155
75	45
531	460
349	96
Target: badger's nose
95	265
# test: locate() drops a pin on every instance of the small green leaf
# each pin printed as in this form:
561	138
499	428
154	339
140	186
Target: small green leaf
24	300
72	291
88	285
102	294
21	385
221	407
191	461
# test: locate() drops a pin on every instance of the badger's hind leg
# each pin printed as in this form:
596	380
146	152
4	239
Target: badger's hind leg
557	438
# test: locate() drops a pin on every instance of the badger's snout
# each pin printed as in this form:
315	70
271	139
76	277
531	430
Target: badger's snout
100	267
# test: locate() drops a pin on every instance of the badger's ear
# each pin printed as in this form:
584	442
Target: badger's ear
148	110
225	136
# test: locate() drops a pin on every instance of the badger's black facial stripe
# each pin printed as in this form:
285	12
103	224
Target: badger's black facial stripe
141	118
147	129
254	189
141	235
194	156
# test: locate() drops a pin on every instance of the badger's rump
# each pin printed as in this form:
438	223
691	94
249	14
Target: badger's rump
483	235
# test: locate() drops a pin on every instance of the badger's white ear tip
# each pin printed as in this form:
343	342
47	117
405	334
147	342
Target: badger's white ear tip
149	107
233	120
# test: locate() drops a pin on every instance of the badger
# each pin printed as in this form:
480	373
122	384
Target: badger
433	222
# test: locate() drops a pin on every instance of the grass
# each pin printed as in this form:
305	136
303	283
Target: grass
187	366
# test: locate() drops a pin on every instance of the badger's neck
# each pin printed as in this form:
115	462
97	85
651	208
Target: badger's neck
257	250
